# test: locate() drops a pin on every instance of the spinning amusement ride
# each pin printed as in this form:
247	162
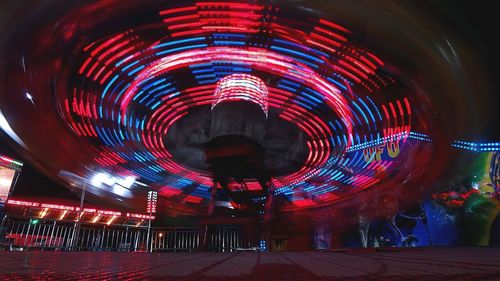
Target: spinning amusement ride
251	106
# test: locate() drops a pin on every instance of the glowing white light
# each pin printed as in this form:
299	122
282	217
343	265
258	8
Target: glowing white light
98	179
241	87
118	186
8	130
141	183
121	191
5	182
475	185
109	180
127	182
29	96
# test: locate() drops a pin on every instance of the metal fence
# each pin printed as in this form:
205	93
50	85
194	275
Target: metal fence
225	239
177	239
22	235
112	239
215	238
59	236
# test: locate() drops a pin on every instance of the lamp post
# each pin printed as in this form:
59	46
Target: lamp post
150	209
76	229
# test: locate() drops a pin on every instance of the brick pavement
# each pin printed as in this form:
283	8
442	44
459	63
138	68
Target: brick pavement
363	264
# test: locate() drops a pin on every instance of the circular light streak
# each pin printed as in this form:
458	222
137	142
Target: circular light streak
314	75
128	87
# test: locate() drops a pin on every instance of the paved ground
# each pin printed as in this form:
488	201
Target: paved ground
396	264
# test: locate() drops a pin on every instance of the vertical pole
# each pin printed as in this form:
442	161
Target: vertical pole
151	208
52	234
76	230
100	247
113	240
126	240
268	215
43	244
137	232
37	233
2	237
198	240
149	240
27	234
53	242
27	257
107	240
22	233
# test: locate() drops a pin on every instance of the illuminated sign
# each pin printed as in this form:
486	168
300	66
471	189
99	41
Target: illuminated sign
139	216
6	178
23	203
151	203
376	153
46	207
8	161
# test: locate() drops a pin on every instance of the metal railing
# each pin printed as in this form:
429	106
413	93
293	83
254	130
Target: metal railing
225	239
24	235
176	239
58	236
112	239
216	239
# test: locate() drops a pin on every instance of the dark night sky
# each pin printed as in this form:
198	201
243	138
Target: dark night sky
32	183
476	21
